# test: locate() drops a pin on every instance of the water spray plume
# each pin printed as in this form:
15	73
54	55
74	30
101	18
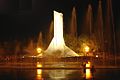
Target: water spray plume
57	45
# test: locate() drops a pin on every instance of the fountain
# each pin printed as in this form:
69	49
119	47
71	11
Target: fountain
88	22
39	42
99	30
30	48
50	32
73	25
57	47
110	41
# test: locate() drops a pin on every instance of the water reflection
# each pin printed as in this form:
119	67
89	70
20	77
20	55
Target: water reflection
60	74
88	71
56	74
39	72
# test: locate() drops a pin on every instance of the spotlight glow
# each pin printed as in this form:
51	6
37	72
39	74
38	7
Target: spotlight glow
39	65
87	49
39	50
96	56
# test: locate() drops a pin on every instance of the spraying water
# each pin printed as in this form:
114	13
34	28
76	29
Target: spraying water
57	47
88	23
39	42
99	31
73	24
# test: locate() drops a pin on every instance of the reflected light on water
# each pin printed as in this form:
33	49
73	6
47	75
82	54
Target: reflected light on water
88	73
57	74
39	72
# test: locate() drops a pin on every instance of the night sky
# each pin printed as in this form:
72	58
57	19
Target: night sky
20	19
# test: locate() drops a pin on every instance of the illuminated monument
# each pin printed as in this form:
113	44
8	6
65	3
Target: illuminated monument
57	47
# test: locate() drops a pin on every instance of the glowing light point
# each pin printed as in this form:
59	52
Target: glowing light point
96	56
87	49
39	50
39	65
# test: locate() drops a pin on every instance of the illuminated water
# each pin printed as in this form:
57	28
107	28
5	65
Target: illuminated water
56	74
57	45
22	74
73	23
